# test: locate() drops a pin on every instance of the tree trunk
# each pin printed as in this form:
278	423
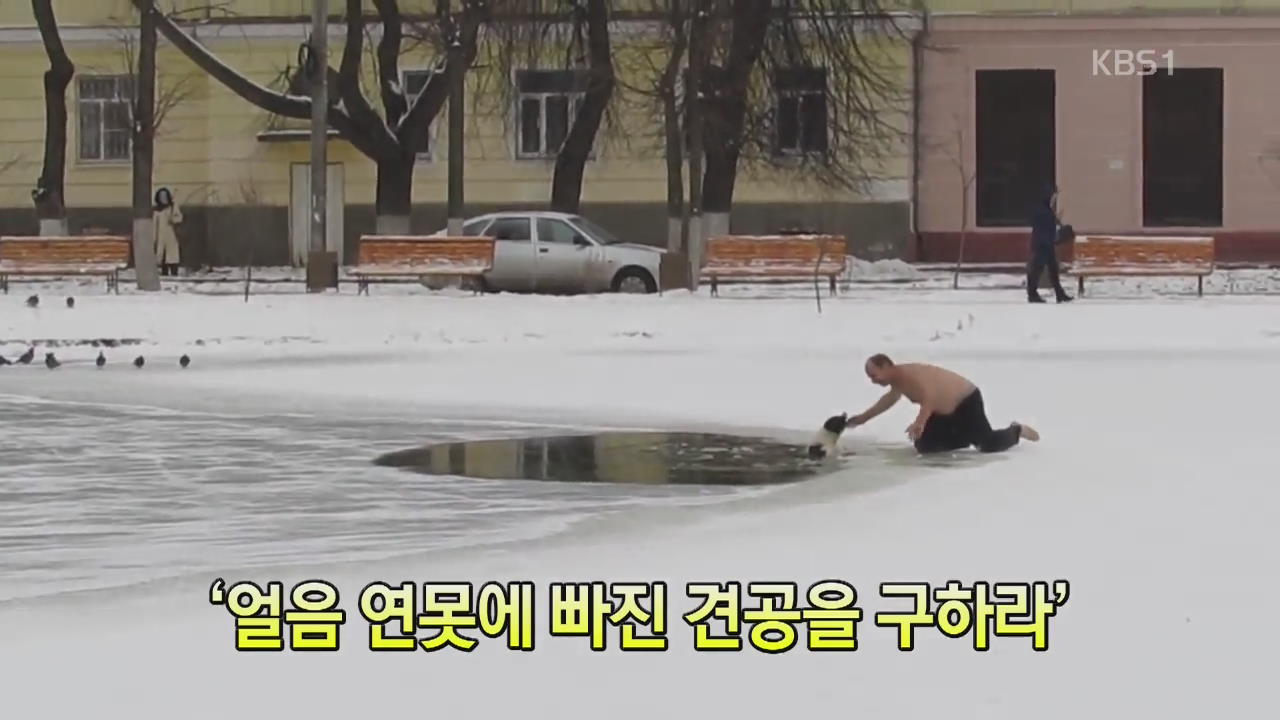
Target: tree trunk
49	194
144	134
726	116
394	195
675	151
571	161
457	143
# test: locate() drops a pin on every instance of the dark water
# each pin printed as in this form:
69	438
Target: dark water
648	458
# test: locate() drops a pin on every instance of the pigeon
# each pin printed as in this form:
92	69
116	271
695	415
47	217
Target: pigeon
184	361
102	360
33	301
51	362
138	361
71	302
28	356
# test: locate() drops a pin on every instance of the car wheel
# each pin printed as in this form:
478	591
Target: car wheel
634	280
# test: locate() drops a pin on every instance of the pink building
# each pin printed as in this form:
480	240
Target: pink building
1015	102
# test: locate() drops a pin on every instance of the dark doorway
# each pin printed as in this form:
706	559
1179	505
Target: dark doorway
1015	138
1182	148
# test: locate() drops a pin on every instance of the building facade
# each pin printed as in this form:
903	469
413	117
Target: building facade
1159	120
1150	117
242	174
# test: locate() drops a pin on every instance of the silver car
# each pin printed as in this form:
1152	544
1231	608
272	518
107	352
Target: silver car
562	253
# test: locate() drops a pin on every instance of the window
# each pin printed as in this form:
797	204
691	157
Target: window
548	102
105	117
510	229
1015	137
800	123
412	81
555	231
1182	148
600	234
474	227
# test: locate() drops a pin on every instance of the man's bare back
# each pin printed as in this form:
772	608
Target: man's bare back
924	384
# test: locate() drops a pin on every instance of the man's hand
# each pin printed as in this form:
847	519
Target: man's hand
915	430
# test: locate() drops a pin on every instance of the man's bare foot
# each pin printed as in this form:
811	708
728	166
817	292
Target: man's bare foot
1026	432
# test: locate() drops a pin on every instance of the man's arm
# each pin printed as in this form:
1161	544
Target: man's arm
884	403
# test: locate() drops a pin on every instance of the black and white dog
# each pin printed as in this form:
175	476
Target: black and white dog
824	442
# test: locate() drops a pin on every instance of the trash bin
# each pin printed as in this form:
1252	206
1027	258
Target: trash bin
322	270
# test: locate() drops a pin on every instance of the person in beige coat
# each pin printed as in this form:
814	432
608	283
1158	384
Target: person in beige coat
167	217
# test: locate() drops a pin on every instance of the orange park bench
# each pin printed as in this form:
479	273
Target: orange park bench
420	257
1140	255
773	257
60	256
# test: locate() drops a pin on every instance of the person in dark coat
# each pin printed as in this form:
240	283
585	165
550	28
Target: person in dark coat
1044	245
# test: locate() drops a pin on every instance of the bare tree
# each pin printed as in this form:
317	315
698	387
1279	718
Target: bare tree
151	100
391	140
956	153
566	185
821	72
49	194
563	35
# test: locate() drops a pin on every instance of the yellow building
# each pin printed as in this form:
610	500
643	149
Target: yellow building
241	174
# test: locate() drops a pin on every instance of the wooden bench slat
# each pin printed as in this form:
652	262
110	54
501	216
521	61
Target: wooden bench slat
1144	256
1120	255
420	256
64	255
774	256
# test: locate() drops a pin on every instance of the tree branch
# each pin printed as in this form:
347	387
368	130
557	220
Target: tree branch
291	106
394	103
413	127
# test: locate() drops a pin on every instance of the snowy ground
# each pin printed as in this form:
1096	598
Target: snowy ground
1151	493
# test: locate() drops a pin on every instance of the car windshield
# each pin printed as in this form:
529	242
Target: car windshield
604	236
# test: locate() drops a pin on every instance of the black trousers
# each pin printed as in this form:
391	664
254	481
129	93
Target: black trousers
1042	258
964	427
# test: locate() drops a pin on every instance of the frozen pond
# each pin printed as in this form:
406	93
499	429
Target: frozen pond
102	495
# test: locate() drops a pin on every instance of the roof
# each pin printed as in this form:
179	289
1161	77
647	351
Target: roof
526	213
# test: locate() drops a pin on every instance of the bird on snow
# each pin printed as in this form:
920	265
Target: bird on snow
71	302
138	361
51	362
184	361
28	356
33	301
102	359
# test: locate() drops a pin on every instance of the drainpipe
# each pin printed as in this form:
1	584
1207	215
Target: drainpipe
917	101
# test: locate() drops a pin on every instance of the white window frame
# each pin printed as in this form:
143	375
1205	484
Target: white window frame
798	150
102	103
433	129
575	101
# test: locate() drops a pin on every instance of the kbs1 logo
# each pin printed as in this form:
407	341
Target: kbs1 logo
1130	62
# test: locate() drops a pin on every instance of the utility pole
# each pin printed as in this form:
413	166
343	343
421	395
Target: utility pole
321	266
457	80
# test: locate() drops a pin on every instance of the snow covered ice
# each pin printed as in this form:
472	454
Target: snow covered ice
125	492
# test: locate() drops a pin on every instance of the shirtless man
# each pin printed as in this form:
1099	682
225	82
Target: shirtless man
951	414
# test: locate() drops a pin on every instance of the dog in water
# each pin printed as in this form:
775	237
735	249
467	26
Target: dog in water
824	442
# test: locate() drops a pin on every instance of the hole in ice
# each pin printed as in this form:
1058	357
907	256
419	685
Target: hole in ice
617	457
